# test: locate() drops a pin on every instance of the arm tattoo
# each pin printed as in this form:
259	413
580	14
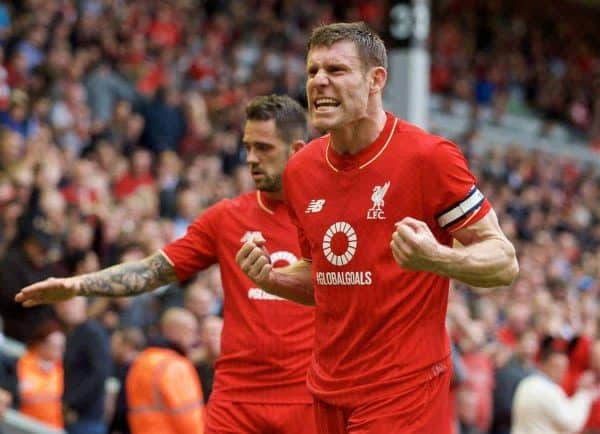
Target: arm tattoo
130	278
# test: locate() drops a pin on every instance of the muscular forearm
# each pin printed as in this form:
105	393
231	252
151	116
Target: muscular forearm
293	282
130	278
484	264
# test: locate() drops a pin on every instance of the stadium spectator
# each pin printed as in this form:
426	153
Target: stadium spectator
24	262
199	300
170	184
40	375
475	393
584	358
518	316
164	395
9	395
138	176
17	117
508	374
210	337
86	367
541	406
165	122
126	345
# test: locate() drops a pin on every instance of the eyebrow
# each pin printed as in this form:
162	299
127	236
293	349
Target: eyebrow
259	142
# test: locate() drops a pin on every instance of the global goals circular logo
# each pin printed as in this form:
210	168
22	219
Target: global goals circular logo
339	243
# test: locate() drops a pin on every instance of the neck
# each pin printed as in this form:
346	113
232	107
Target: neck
33	255
524	360
356	136
272	195
547	373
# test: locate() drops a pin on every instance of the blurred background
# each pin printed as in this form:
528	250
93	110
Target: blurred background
120	122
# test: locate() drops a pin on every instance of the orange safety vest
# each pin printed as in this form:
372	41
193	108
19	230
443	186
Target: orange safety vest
41	389
164	394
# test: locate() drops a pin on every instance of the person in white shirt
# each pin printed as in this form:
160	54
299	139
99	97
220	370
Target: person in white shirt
541	406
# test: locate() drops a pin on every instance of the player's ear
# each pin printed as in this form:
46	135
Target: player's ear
378	79
296	146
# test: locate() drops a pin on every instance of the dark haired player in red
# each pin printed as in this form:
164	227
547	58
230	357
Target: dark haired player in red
260	376
378	203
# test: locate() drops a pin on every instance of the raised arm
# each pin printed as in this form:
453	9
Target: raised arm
485	259
292	282
122	280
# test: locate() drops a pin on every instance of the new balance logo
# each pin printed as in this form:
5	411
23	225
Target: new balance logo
315	205
250	235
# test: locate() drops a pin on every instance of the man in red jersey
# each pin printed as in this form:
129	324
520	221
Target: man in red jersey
260	378
378	203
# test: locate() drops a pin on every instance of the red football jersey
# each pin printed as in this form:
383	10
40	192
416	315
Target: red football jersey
267	341
380	328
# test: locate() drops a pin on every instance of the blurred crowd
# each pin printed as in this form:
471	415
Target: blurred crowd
521	57
549	207
120	122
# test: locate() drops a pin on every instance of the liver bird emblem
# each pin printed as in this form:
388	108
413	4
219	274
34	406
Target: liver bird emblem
379	192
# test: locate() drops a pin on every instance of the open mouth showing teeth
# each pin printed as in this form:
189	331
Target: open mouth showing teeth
325	102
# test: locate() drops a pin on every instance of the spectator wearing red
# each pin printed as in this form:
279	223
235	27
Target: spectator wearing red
165	30
518	318
78	190
140	175
584	356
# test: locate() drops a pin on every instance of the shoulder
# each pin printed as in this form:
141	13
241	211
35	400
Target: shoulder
176	365
313	151
221	207
93	327
538	385
243	201
423	142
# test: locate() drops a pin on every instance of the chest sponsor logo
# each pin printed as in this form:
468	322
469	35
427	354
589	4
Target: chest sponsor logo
376	211
347	278
314	206
250	235
339	246
339	243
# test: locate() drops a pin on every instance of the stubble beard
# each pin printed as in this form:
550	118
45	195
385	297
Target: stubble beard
269	184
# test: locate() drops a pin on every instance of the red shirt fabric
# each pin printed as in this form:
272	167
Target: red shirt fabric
164	33
129	184
380	328
507	337
593	421
266	342
579	362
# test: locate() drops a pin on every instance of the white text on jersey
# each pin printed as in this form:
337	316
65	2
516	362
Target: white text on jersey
259	294
250	235
332	278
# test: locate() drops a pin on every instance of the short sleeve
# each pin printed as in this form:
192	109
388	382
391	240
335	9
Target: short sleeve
197	249
450	190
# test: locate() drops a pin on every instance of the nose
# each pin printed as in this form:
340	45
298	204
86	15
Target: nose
251	157
319	79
